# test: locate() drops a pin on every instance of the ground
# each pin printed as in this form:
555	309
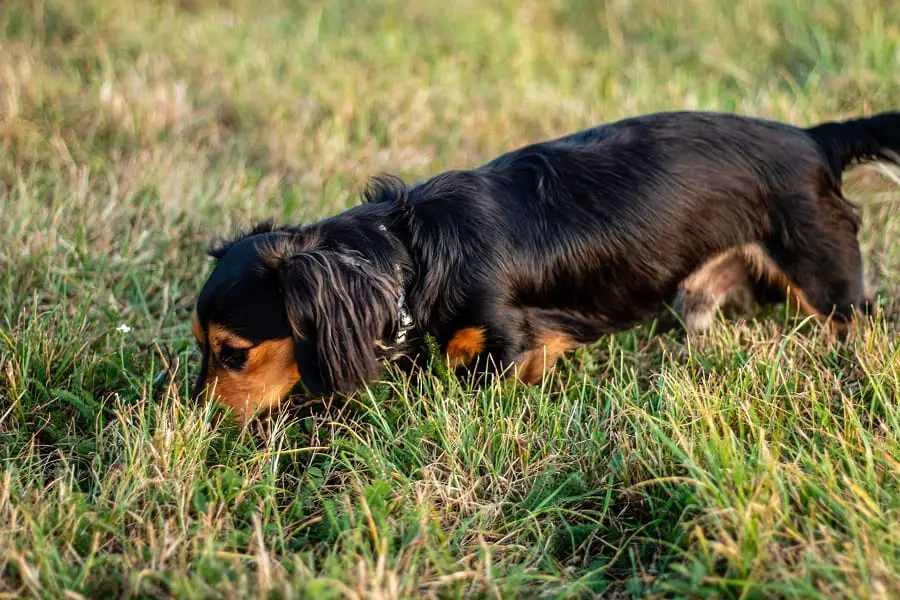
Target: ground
759	460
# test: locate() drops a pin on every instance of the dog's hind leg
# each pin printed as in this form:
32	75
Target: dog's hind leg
815	257
703	292
726	282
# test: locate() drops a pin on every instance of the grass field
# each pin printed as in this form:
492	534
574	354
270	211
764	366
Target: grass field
757	461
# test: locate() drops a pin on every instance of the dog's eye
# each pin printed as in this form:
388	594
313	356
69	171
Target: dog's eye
233	358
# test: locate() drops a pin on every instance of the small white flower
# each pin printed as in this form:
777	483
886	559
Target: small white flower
123	328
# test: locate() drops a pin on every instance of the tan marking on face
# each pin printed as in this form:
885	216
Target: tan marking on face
265	379
219	336
465	345
550	347
197	330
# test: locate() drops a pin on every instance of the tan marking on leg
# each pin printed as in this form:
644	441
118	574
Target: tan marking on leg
718	274
763	265
550	347
702	293
465	345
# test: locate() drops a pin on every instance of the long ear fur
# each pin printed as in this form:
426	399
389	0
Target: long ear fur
343	304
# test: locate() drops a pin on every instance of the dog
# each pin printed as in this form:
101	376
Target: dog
546	248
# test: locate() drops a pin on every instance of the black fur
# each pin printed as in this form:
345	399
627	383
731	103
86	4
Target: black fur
577	237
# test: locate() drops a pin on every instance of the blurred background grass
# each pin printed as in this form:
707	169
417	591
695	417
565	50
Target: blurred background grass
754	462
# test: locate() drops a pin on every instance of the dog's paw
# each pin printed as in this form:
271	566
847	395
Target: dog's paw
696	309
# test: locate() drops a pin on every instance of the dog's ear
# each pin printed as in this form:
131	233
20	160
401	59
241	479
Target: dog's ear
307	357
220	247
339	305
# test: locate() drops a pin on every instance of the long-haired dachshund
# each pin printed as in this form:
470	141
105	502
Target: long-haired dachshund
541	250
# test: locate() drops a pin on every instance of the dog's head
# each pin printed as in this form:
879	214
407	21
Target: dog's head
284	307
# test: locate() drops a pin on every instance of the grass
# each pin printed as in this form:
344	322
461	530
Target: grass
755	461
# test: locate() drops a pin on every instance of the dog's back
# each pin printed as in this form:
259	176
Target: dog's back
607	222
614	217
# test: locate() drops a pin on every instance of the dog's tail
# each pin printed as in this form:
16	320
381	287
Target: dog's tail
859	140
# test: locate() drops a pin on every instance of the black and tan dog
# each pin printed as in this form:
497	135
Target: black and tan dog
541	250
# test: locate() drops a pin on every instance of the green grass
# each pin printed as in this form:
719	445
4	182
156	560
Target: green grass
756	461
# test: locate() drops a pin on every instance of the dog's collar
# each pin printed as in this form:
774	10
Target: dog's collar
404	318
